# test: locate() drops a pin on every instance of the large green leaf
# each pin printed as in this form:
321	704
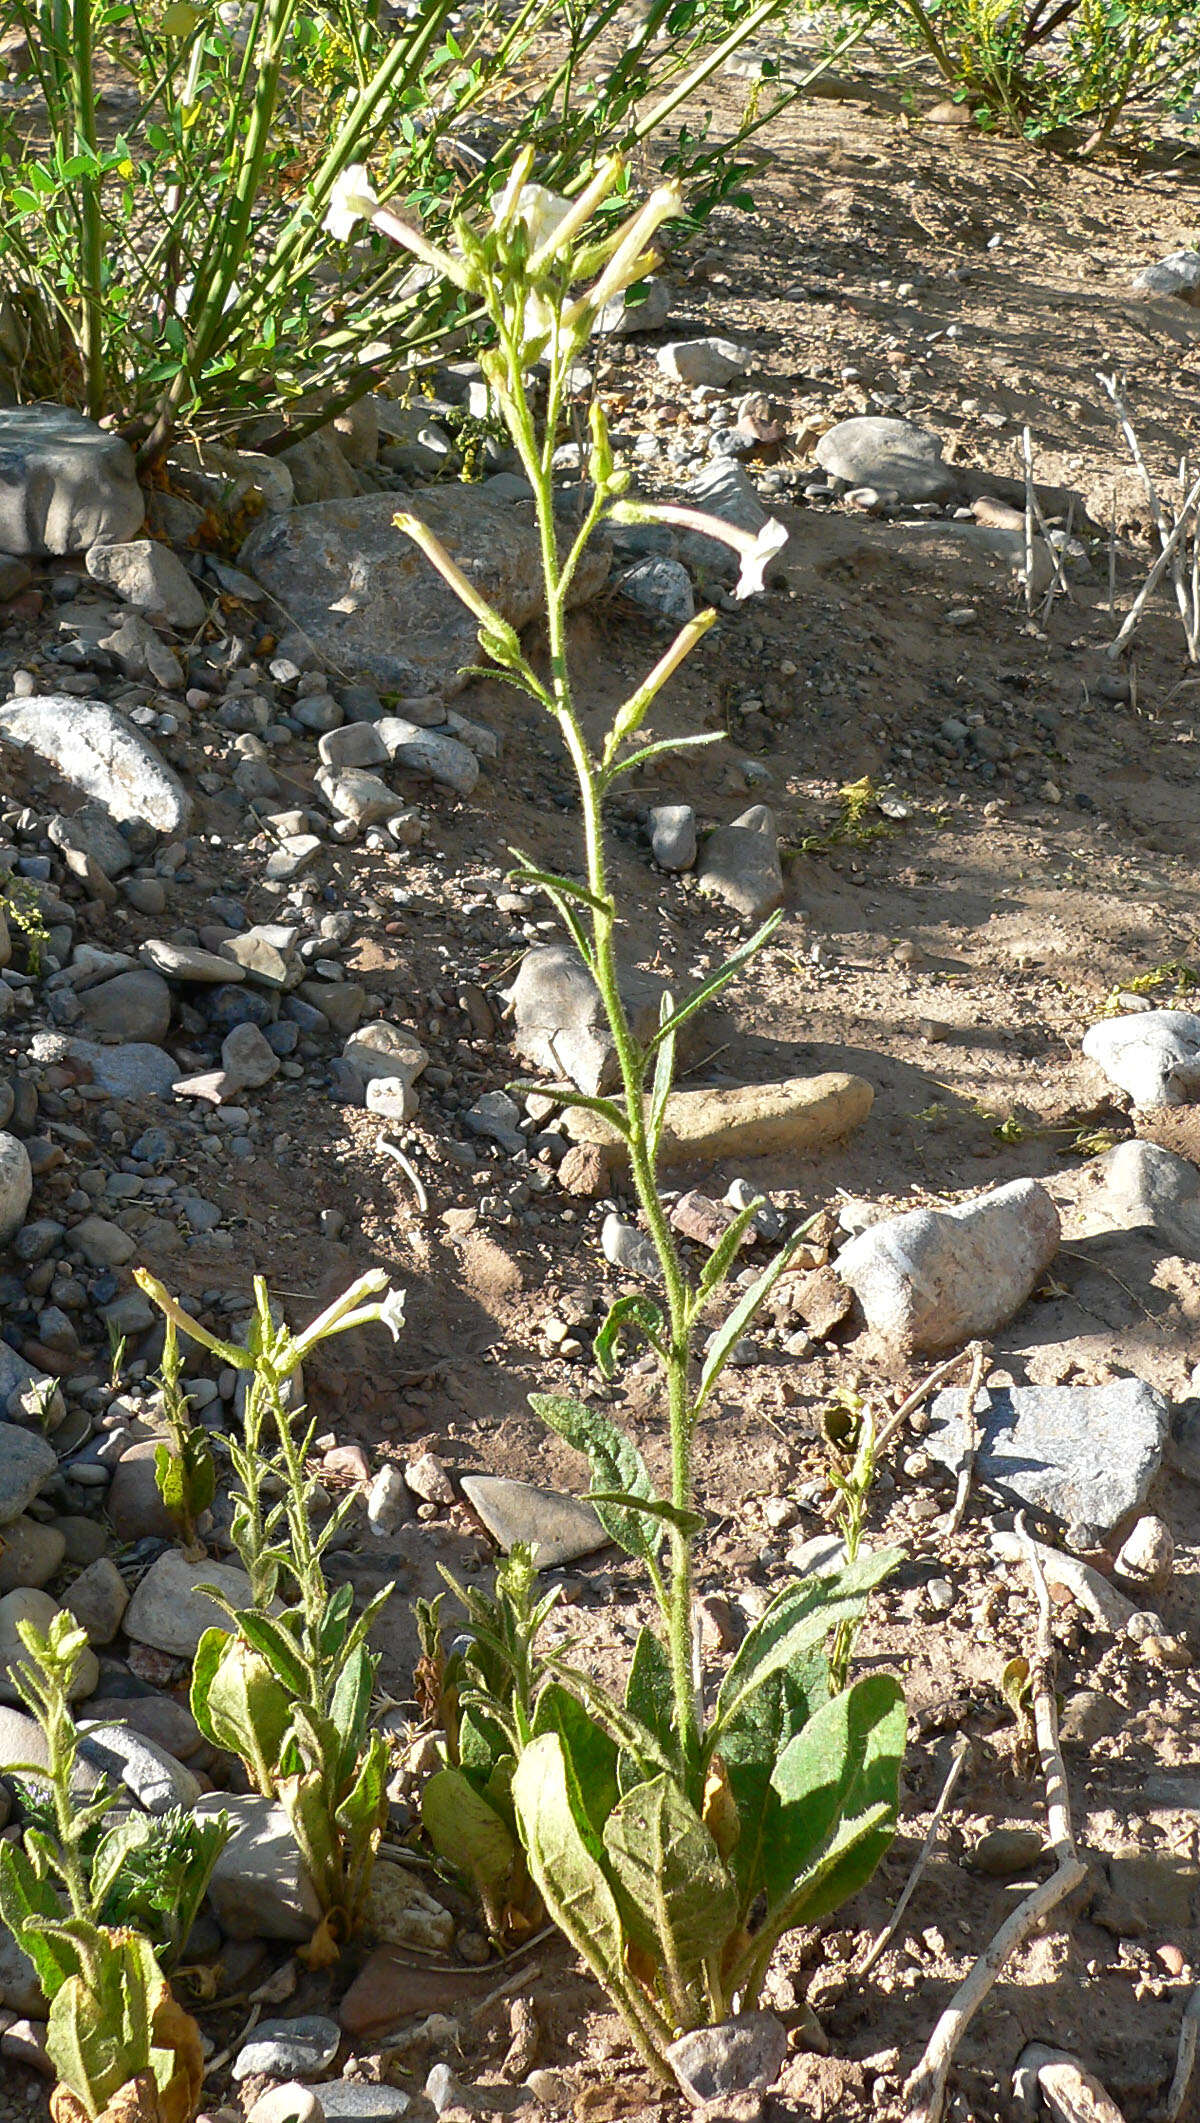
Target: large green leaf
650	1699
239	1705
751	1745
568	1873
680	1902
795	1623
838	1781
633	1310
467	1831
99	2030
27	1902
616	1464
590	1749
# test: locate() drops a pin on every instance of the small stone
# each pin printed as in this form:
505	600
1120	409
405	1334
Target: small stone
387	1501
673	836
630	1250
93	746
135	1507
157	1781
98	1599
1177	275
559	1021
933	1278
148	576
660	586
64	482
32	1605
186	962
16	1187
384	1050
442	2090
260	1889
1147	1555
361	2101
740	864
289	2103
874	451
247	1059
558	1527
429	753
102	1243
704	361
30	1553
1086	1453
281	2048
744	2055
136	1005
1003	1853
428	1480
166	1611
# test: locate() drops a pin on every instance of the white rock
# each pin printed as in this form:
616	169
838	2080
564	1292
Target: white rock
629	1249
1178	274
559	1020
933	1278
157	1781
92	746
1154	1056
712	361
382	1049
64	482
1147	1555
166	1610
150	577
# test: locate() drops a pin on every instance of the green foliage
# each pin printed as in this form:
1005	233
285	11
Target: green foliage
21	907
1040	67
289	1688
176	272
672	1844
74	1896
184	1471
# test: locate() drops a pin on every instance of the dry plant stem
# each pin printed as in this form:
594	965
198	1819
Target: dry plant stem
925	2093
1163	561
920	1393
966	1465
1166	539
1180	2100
1027	453
961	1751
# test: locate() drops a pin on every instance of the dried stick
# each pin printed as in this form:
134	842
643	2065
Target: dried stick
1030	505
1095	1594
962	1749
919	1393
1113	388
966	1463
1163	561
1179	2099
925	2092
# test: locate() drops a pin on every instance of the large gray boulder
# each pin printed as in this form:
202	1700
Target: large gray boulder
16	1185
933	1278
65	484
94	748
369	601
871	451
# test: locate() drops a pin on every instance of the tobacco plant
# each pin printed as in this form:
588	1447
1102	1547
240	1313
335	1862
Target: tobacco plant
121	2045
185	1472
677	1832
288	1688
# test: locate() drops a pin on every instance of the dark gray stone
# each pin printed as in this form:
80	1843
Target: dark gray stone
1079	1453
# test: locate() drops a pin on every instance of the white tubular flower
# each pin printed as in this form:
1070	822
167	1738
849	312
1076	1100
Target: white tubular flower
574	220
629	261
352	200
769	541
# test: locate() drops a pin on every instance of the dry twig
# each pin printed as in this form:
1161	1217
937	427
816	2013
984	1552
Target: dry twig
966	1464
920	1393
962	1749
925	2092
1170	537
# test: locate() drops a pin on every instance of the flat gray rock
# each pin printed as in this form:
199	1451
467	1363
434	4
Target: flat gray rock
94	748
933	1278
1154	1055
1080	1453
872	451
26	1465
281	2049
660	586
148	576
133	1071
726	490
431	754
357	2101
188	962
64	482
698	361
744	2055
168	1613
260	1888
1178	274
133	1006
370	602
673	835
559	1528
157	1781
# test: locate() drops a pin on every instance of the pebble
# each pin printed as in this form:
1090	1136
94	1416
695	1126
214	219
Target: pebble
361	2101
740	864
673	836
283	2048
1004	1853
630	1250
698	361
289	2103
739	2056
559	1528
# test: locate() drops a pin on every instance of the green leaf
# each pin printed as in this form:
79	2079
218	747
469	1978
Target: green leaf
797	1622
567	1095
636	1310
750	1745
664	1072
616	1464
640	1741
568	1872
350	1707
336	1618
689	1523
633	760
725	1252
680	1902
838	1781
650	1690
239	1705
712	987
591	1750
275	1644
732	1328
27	1900
466	1829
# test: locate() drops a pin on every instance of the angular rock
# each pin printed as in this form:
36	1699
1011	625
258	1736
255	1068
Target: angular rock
248	1061
673	835
134	1071
722	489
1149	1188
26	1465
495	1115
352	792
157	1781
319	470
134	1006
660	586
141	652
91	832
94	748
630	1250
558	1527
644	308
135	1509
740	864
102	1243
64	482
803	1113
430	753
1154	1055
390	1988
933	1278
370	602
385	1051
279	2048
188	962
871	451
266	954
1147	1555
358	2101
696	361
16	1185
98	1598
1080	1453
740	2056
168	1613
147	575
1178	274
260	1886
559	1021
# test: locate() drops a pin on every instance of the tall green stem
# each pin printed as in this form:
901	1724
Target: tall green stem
83	97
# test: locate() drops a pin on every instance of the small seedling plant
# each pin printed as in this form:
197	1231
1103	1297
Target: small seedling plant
87	1900
288	1689
677	1831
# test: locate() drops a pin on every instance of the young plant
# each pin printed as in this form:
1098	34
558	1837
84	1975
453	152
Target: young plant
677	1833
184	1471
117	2039
483	1699
288	1689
